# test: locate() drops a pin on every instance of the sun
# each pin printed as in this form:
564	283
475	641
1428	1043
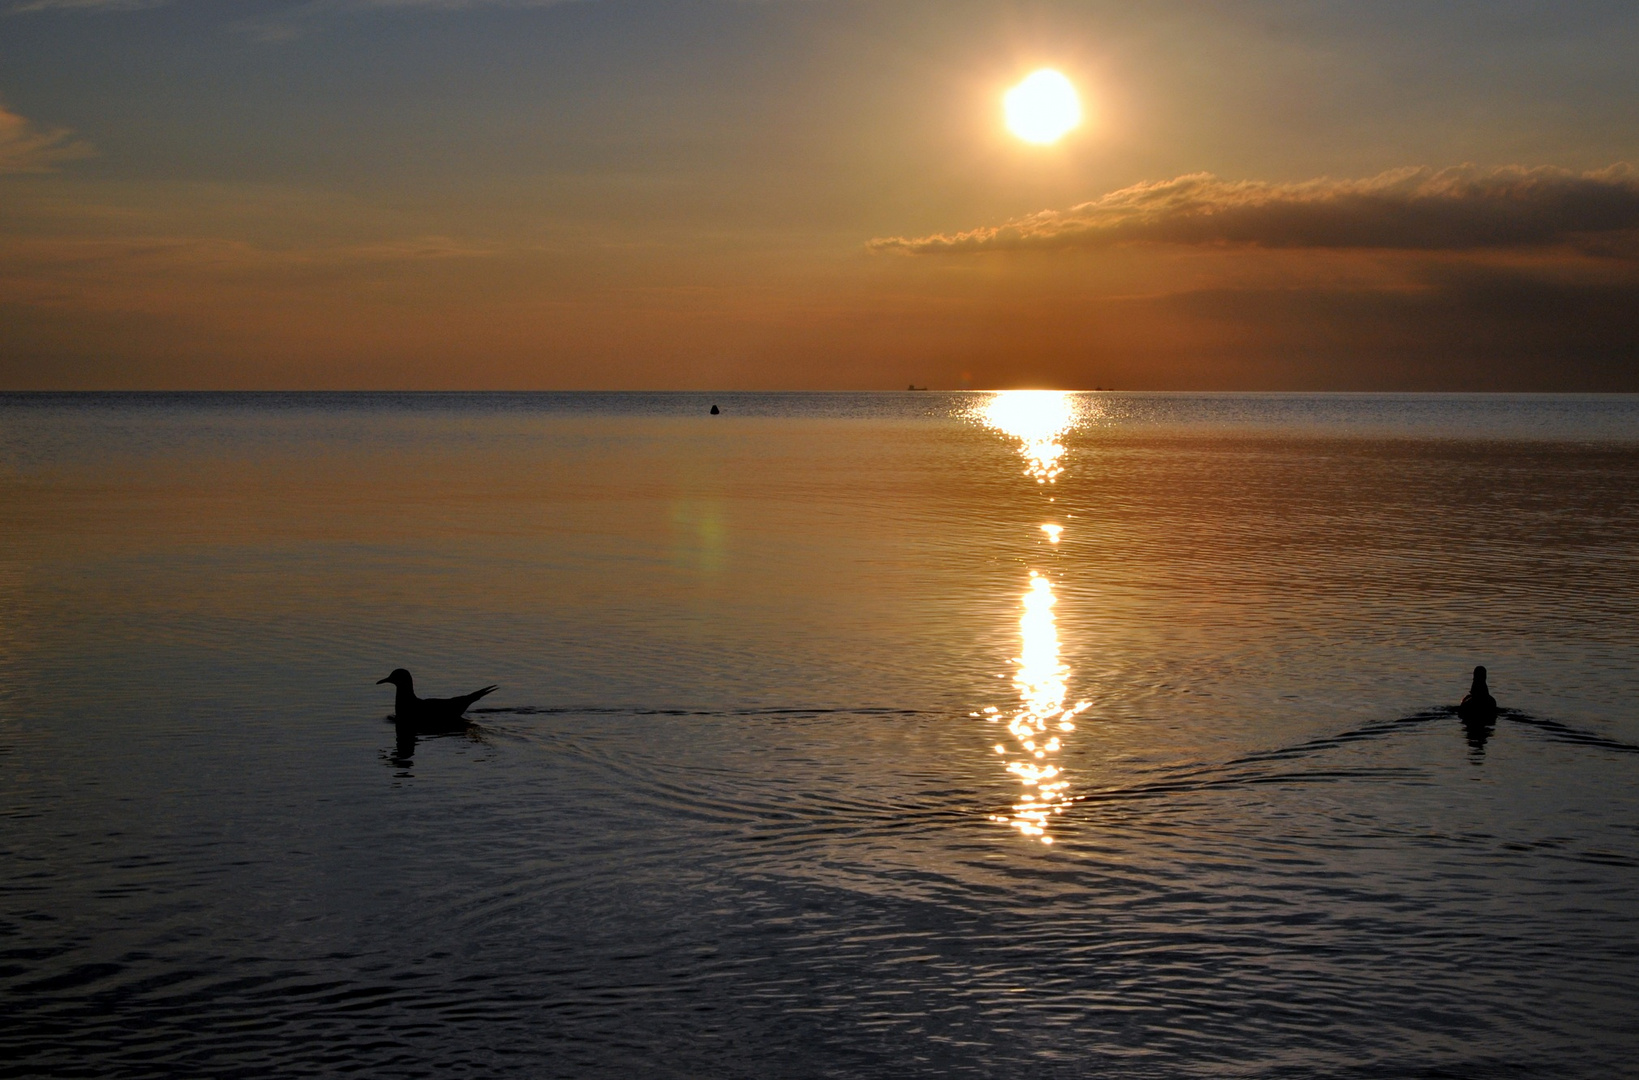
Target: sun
1043	108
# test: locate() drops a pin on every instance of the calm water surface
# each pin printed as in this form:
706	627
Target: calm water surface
838	736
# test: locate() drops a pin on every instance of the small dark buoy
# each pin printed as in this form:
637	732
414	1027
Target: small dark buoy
714	410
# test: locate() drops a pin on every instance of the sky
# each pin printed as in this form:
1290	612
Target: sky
817	194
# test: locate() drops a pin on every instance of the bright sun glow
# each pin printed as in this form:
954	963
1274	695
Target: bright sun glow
1042	108
1037	418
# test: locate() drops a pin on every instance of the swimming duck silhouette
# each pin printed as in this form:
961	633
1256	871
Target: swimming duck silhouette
1478	706
428	712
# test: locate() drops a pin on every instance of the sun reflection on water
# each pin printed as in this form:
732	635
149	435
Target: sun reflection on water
1040	722
1037	418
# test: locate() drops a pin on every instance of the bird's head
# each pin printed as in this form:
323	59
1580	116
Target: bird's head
399	677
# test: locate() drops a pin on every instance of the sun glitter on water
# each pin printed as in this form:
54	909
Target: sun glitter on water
1040	722
1043	108
1037	418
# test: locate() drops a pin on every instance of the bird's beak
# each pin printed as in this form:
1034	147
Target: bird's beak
387	679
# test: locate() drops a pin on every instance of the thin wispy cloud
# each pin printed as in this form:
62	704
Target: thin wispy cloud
83	5
216	255
307	9
292	22
1421	209
25	148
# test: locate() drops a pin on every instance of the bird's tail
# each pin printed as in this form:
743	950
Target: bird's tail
476	694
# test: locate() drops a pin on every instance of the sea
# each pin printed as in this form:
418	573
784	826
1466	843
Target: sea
1028	734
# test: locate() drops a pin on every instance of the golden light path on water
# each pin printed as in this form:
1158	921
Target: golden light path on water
1040	722
1038	419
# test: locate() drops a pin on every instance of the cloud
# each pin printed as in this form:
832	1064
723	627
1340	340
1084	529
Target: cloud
26	149
159	259
312	6
1469	327
83	5
292	21
289	23
1418	209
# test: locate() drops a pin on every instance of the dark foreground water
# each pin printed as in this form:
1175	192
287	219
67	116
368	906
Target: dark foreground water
838	736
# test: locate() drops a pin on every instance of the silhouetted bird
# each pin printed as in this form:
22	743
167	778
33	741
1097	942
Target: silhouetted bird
427	712
1478	706
714	410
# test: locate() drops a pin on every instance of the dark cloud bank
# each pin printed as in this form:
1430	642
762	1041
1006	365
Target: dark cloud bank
1460	328
1456	209
1508	279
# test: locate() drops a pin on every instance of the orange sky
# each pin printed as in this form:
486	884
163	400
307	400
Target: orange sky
816	195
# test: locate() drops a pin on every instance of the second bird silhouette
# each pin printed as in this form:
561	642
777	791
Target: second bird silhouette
428	712
1479	706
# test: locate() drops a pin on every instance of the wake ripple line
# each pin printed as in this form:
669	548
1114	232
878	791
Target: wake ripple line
1188	778
604	710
